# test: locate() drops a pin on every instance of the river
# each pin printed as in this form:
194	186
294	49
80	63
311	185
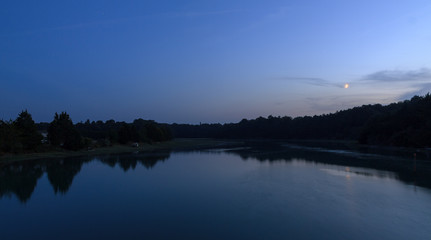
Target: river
256	192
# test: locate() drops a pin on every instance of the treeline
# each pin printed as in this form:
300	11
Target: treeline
406	123
23	135
121	132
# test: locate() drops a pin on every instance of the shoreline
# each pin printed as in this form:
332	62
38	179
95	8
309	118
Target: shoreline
175	144
183	144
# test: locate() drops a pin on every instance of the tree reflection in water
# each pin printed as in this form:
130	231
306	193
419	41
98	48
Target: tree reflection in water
401	168
20	179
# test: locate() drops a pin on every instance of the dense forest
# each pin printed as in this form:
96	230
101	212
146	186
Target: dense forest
406	123
23	135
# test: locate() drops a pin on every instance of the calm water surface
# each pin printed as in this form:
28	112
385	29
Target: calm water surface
283	193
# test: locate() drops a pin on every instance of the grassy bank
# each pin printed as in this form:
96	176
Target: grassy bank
176	144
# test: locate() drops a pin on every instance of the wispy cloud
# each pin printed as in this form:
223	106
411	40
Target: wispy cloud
269	18
334	103
423	74
314	81
421	89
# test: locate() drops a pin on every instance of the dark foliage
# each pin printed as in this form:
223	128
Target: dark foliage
27	131
20	135
62	132
9	139
138	131
345	124
406	123
127	134
23	135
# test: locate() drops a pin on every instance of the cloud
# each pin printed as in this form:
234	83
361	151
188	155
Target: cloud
278	14
421	89
330	104
314	81
423	74
411	83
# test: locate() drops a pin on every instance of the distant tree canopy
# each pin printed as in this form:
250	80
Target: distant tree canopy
406	123
24	135
345	124
138	131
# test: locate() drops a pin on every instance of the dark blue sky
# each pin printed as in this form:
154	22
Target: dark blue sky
209	61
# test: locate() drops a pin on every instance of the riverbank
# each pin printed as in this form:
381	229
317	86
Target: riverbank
190	144
174	145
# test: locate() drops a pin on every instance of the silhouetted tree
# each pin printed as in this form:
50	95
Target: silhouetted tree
27	132
62	132
9	138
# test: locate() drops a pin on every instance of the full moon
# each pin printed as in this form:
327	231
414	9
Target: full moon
346	85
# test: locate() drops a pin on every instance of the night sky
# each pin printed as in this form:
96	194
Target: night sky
209	61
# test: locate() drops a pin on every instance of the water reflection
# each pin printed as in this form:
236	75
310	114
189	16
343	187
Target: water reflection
130	161
20	179
408	170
